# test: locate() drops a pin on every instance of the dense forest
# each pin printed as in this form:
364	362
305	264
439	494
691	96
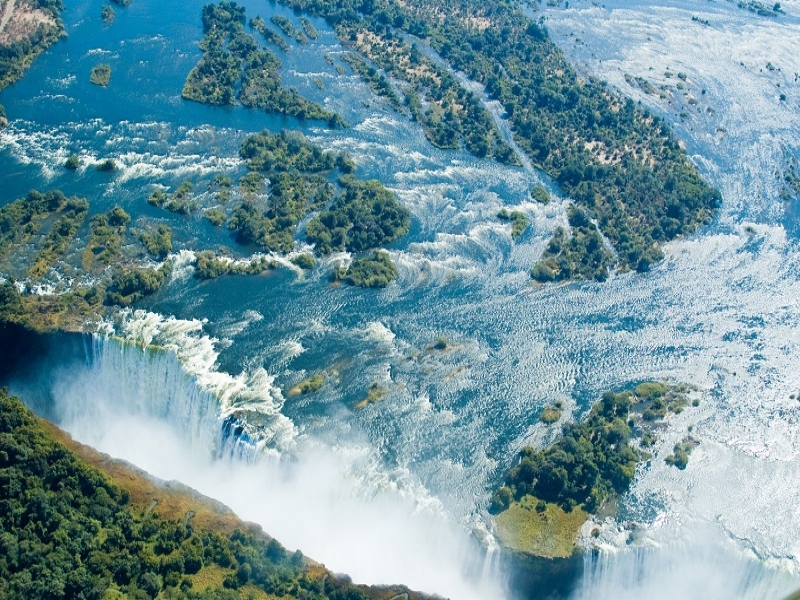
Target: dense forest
68	531
618	162
231	55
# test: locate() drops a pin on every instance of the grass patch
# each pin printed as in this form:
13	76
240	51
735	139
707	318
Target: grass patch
550	533
375	393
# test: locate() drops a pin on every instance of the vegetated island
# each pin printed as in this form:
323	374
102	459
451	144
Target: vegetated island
108	14
77	524
362	216
550	493
620	164
26	30
101	75
231	55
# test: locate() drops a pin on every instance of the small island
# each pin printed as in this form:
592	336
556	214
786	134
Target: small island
101	75
107	14
374	271
549	493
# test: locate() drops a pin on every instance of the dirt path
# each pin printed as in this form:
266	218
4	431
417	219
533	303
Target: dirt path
7	14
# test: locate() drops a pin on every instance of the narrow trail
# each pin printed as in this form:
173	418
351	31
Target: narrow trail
7	14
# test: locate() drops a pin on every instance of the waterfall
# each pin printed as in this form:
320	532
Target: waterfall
703	567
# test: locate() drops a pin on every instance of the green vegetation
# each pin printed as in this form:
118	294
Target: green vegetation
592	463
3	118
540	194
581	256
309	29
364	216
106	166
77	525
179	201
101	75
618	162
230	55
270	35
304	261
209	266
61	234
680	453
129	286
312	384
760	8
30	40
159	242
377	82
21	219
540	529
108	15
551	414
375	393
519	222
72	163
108	231
374	271
287	150
215	216
284	24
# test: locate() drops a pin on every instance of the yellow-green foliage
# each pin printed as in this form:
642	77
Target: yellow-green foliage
312	384
61	234
375	393
101	75
159	242
549	533
375	271
107	234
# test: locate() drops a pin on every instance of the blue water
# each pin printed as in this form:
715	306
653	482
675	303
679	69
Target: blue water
719	312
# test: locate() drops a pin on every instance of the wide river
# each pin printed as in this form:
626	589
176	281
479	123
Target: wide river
396	491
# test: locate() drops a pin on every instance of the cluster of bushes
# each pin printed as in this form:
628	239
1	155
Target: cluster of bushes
285	25
230	54
450	115
55	243
107	234
131	285
377	82
618	162
519	222
22	218
67	531
107	14
680	453
296	170
364	216
309	28
374	271
179	201
209	266
159	242
580	255
292	196
288	150
270	35
17	56
101	75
